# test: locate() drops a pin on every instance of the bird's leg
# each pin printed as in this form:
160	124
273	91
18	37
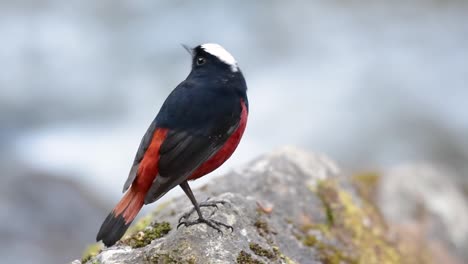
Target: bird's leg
209	222
202	204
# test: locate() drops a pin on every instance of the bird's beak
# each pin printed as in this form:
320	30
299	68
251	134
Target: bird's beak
188	49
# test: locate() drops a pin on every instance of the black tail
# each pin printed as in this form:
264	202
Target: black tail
112	229
118	221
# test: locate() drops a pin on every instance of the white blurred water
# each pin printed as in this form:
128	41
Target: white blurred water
358	81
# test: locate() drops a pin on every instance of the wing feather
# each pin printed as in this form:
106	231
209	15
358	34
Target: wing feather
180	155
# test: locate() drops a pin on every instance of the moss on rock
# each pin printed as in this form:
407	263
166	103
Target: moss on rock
282	257
145	221
354	231
91	251
359	232
262	252
246	258
262	227
141	224
148	234
309	240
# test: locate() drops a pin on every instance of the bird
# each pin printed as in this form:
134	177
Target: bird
197	128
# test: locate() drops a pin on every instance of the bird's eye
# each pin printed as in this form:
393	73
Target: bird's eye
201	61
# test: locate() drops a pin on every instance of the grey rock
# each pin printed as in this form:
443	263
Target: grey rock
285	207
280	180
199	243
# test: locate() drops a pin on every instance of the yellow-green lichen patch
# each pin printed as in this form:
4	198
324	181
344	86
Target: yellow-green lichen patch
145	236
262	252
246	258
309	240
91	251
353	234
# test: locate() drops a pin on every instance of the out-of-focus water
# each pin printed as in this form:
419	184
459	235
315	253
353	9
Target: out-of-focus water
370	83
367	83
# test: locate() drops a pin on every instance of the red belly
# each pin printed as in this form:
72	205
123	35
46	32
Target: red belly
226	151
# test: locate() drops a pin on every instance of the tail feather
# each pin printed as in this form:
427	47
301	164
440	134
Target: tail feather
118	221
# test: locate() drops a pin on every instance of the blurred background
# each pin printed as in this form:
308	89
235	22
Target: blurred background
372	84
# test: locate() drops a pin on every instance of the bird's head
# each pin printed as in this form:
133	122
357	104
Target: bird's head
211	57
212	65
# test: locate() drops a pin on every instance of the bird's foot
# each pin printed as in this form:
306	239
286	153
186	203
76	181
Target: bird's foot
202	204
209	222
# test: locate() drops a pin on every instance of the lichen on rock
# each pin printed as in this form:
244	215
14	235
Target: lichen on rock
148	234
356	234
246	258
262	252
91	251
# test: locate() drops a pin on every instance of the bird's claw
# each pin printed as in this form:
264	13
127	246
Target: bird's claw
186	215
203	204
209	222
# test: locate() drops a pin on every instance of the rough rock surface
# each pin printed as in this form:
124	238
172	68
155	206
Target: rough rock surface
285	207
